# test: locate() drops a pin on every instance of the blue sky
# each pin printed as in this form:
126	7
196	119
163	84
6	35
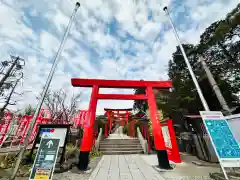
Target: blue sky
115	39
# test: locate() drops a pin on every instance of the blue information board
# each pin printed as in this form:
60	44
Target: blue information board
223	139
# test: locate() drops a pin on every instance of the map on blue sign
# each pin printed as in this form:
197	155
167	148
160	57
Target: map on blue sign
223	139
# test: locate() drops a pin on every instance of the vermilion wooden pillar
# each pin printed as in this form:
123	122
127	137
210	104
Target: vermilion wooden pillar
157	131
106	129
148	139
110	121
142	130
88	132
127	116
132	128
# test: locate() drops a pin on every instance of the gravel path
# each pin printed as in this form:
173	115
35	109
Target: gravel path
74	174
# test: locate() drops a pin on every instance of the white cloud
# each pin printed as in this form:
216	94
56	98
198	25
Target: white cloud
150	31
48	43
96	48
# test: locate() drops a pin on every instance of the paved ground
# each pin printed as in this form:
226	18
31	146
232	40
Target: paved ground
185	170
124	167
137	167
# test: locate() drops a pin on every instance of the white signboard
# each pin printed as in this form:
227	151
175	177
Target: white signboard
59	133
166	137
234	123
45	160
222	138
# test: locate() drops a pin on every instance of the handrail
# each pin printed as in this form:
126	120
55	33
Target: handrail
9	132
98	139
143	141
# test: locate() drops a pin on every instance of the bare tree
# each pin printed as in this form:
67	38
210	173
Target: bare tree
60	109
7	98
9	68
11	76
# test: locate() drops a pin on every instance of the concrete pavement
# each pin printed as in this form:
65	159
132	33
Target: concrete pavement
124	167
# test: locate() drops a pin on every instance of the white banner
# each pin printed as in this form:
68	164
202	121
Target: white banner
166	136
57	133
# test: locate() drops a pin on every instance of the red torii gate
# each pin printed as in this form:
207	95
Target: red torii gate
95	84
118	113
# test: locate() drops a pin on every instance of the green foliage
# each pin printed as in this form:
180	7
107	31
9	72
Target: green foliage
94	154
71	151
100	122
125	129
150	128
28	153
80	132
70	148
29	110
220	47
9	160
140	104
184	97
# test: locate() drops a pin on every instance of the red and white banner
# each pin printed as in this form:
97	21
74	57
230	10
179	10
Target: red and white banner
82	118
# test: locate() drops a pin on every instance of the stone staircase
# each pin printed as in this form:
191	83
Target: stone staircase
118	143
120	146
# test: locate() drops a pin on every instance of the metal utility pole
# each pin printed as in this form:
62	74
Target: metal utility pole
203	100
43	94
205	105
214	85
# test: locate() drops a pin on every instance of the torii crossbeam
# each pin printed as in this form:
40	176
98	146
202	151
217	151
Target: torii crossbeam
87	140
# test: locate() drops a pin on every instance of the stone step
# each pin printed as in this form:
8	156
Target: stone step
104	149
120	145
127	143
123	138
120	141
122	152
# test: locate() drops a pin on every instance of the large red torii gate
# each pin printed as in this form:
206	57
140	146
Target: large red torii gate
95	84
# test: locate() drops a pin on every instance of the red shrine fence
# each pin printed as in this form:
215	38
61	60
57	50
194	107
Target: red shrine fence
17	128
13	129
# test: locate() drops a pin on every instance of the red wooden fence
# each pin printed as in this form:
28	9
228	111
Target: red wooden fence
20	125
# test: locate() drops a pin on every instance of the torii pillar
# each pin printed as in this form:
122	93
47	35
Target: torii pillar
87	140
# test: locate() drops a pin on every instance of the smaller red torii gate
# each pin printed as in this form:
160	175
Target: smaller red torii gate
95	84
118	113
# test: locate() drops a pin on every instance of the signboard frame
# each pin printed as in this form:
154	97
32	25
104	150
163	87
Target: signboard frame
224	162
234	121
38	155
56	126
